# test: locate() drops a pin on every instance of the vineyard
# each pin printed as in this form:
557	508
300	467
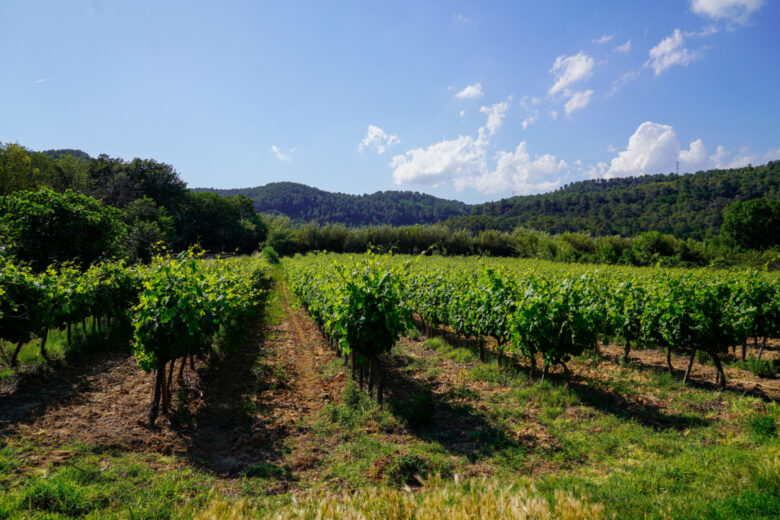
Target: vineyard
388	386
537	311
175	306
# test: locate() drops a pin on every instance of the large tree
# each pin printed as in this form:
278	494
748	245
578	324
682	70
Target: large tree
754	224
43	227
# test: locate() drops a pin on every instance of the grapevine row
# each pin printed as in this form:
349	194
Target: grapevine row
176	306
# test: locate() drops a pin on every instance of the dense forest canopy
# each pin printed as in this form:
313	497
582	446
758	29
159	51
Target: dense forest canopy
302	203
684	206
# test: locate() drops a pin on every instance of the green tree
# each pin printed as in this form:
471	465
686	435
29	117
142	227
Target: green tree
754	224
16	169
44	227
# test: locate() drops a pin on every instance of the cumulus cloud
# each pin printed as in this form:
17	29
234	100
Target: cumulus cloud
654	148
554	114
471	92
570	69
578	101
734	11
464	161
626	47
669	52
604	39
282	156
376	139
519	172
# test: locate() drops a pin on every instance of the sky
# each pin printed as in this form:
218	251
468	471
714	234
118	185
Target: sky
474	101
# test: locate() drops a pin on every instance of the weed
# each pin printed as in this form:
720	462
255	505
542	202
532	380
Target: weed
407	469
759	367
762	426
268	470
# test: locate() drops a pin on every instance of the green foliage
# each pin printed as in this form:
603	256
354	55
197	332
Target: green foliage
753	224
45	227
149	227
303	203
406	469
270	254
219	223
184	302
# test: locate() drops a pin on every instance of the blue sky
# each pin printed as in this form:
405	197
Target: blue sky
467	100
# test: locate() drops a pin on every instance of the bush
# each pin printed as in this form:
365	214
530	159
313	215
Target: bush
404	469
45	227
271	255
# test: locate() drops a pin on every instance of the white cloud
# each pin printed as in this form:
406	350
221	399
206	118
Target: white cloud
464	162
528	121
554	114
654	148
570	69
471	92
578	101
735	11
604	39
743	158
495	116
439	162
669	52
376	139
42	80
611	149
626	47
622	81
719	157
462	19
701	33
280	154
529	105
462	113
518	172
772	155
695	157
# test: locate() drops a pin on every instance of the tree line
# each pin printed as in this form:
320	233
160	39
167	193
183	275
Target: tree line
125	208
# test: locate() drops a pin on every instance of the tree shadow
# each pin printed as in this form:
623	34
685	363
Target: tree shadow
646	414
59	382
228	437
459	428
695	380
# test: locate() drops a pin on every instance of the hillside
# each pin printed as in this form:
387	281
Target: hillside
686	206
304	203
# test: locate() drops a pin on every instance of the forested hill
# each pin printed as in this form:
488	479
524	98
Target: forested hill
686	206
304	203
